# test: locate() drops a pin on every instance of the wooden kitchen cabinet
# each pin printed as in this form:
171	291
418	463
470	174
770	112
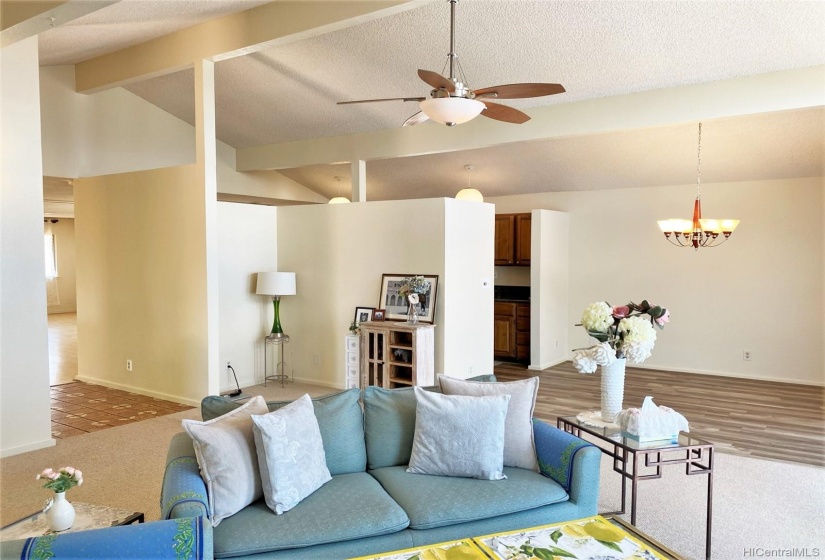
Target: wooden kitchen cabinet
511	331
512	246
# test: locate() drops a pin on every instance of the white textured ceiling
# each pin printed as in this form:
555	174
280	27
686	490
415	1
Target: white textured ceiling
769	146
127	23
595	49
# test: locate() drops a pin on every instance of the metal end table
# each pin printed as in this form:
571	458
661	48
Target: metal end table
696	454
279	373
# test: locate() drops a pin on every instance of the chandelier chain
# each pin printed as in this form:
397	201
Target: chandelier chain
699	164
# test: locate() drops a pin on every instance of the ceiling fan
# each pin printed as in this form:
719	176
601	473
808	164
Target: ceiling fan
452	102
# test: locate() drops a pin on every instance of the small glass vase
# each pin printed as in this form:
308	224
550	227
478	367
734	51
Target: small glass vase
412	314
60	515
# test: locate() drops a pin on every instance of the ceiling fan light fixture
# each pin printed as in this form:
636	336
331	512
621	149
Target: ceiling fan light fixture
451	110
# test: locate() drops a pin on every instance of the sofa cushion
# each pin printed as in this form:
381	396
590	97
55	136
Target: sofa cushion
457	435
519	447
339	418
350	506
389	420
225	448
290	454
436	501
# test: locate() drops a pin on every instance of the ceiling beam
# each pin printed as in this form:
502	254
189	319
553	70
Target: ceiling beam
777	91
20	19
233	35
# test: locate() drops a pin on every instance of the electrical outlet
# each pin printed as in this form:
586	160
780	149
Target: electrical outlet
316	358
470	370
228	364
557	344
746	355
128	365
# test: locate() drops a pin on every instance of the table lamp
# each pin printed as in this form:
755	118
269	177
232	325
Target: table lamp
276	284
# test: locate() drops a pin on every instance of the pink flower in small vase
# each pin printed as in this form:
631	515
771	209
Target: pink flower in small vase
663	319
620	311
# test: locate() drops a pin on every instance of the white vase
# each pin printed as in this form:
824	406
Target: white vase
613	389
61	515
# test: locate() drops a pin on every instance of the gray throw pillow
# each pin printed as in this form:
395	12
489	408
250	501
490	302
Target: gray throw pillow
290	454
225	449
459	436
519	446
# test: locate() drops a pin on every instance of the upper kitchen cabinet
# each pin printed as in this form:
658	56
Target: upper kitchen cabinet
512	240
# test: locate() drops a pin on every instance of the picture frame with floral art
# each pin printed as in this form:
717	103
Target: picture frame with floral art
394	296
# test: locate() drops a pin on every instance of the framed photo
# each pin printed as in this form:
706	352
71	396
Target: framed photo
363	314
396	306
379	314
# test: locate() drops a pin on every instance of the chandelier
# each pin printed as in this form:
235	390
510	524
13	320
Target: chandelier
699	232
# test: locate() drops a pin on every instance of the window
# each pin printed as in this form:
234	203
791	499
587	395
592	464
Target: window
51	256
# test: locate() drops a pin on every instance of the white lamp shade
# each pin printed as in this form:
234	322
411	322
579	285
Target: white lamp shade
276	284
339	200
469	194
451	110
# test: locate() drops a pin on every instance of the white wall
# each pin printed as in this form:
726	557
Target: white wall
25	422
467	288
247	244
339	253
63	232
761	291
63	113
550	273
142	282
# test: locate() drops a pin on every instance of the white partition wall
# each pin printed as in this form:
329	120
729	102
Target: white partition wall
25	422
339	253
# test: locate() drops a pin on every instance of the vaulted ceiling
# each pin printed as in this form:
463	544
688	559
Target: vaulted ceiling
595	49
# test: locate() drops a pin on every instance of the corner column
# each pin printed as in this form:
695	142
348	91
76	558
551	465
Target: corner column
359	181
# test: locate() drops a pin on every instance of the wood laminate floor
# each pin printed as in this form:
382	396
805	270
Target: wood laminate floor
764	419
62	348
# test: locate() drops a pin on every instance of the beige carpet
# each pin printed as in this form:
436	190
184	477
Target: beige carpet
758	504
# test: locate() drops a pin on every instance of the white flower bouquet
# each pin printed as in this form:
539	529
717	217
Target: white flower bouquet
413	285
623	331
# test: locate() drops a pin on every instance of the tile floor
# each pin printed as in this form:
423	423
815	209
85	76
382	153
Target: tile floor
79	408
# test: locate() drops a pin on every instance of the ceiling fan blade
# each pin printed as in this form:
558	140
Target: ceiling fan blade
417	118
436	80
504	113
381	100
520	91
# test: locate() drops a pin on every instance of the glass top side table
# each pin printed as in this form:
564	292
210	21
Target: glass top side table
636	461
87	516
279	367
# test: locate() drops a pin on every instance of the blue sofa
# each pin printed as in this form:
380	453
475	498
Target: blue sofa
372	504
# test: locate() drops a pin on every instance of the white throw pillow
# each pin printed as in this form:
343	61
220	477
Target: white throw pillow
519	445
290	454
225	448
459	436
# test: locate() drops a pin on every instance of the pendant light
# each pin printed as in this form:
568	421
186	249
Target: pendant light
469	193
339	199
699	232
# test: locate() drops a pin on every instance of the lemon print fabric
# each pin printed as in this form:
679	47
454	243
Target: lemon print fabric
604	532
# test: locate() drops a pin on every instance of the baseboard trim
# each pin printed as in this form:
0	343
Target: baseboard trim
26	448
545	366
139	391
736	375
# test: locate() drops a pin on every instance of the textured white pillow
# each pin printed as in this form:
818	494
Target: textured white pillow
458	436
225	449
519	445
290	454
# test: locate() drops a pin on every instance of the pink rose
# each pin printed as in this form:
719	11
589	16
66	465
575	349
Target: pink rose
663	319
620	311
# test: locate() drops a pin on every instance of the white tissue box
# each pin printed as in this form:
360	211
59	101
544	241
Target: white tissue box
652	423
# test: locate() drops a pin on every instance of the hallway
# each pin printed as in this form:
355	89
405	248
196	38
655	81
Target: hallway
62	348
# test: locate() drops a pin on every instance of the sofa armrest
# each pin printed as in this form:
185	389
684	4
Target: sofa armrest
184	492
185	538
570	461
